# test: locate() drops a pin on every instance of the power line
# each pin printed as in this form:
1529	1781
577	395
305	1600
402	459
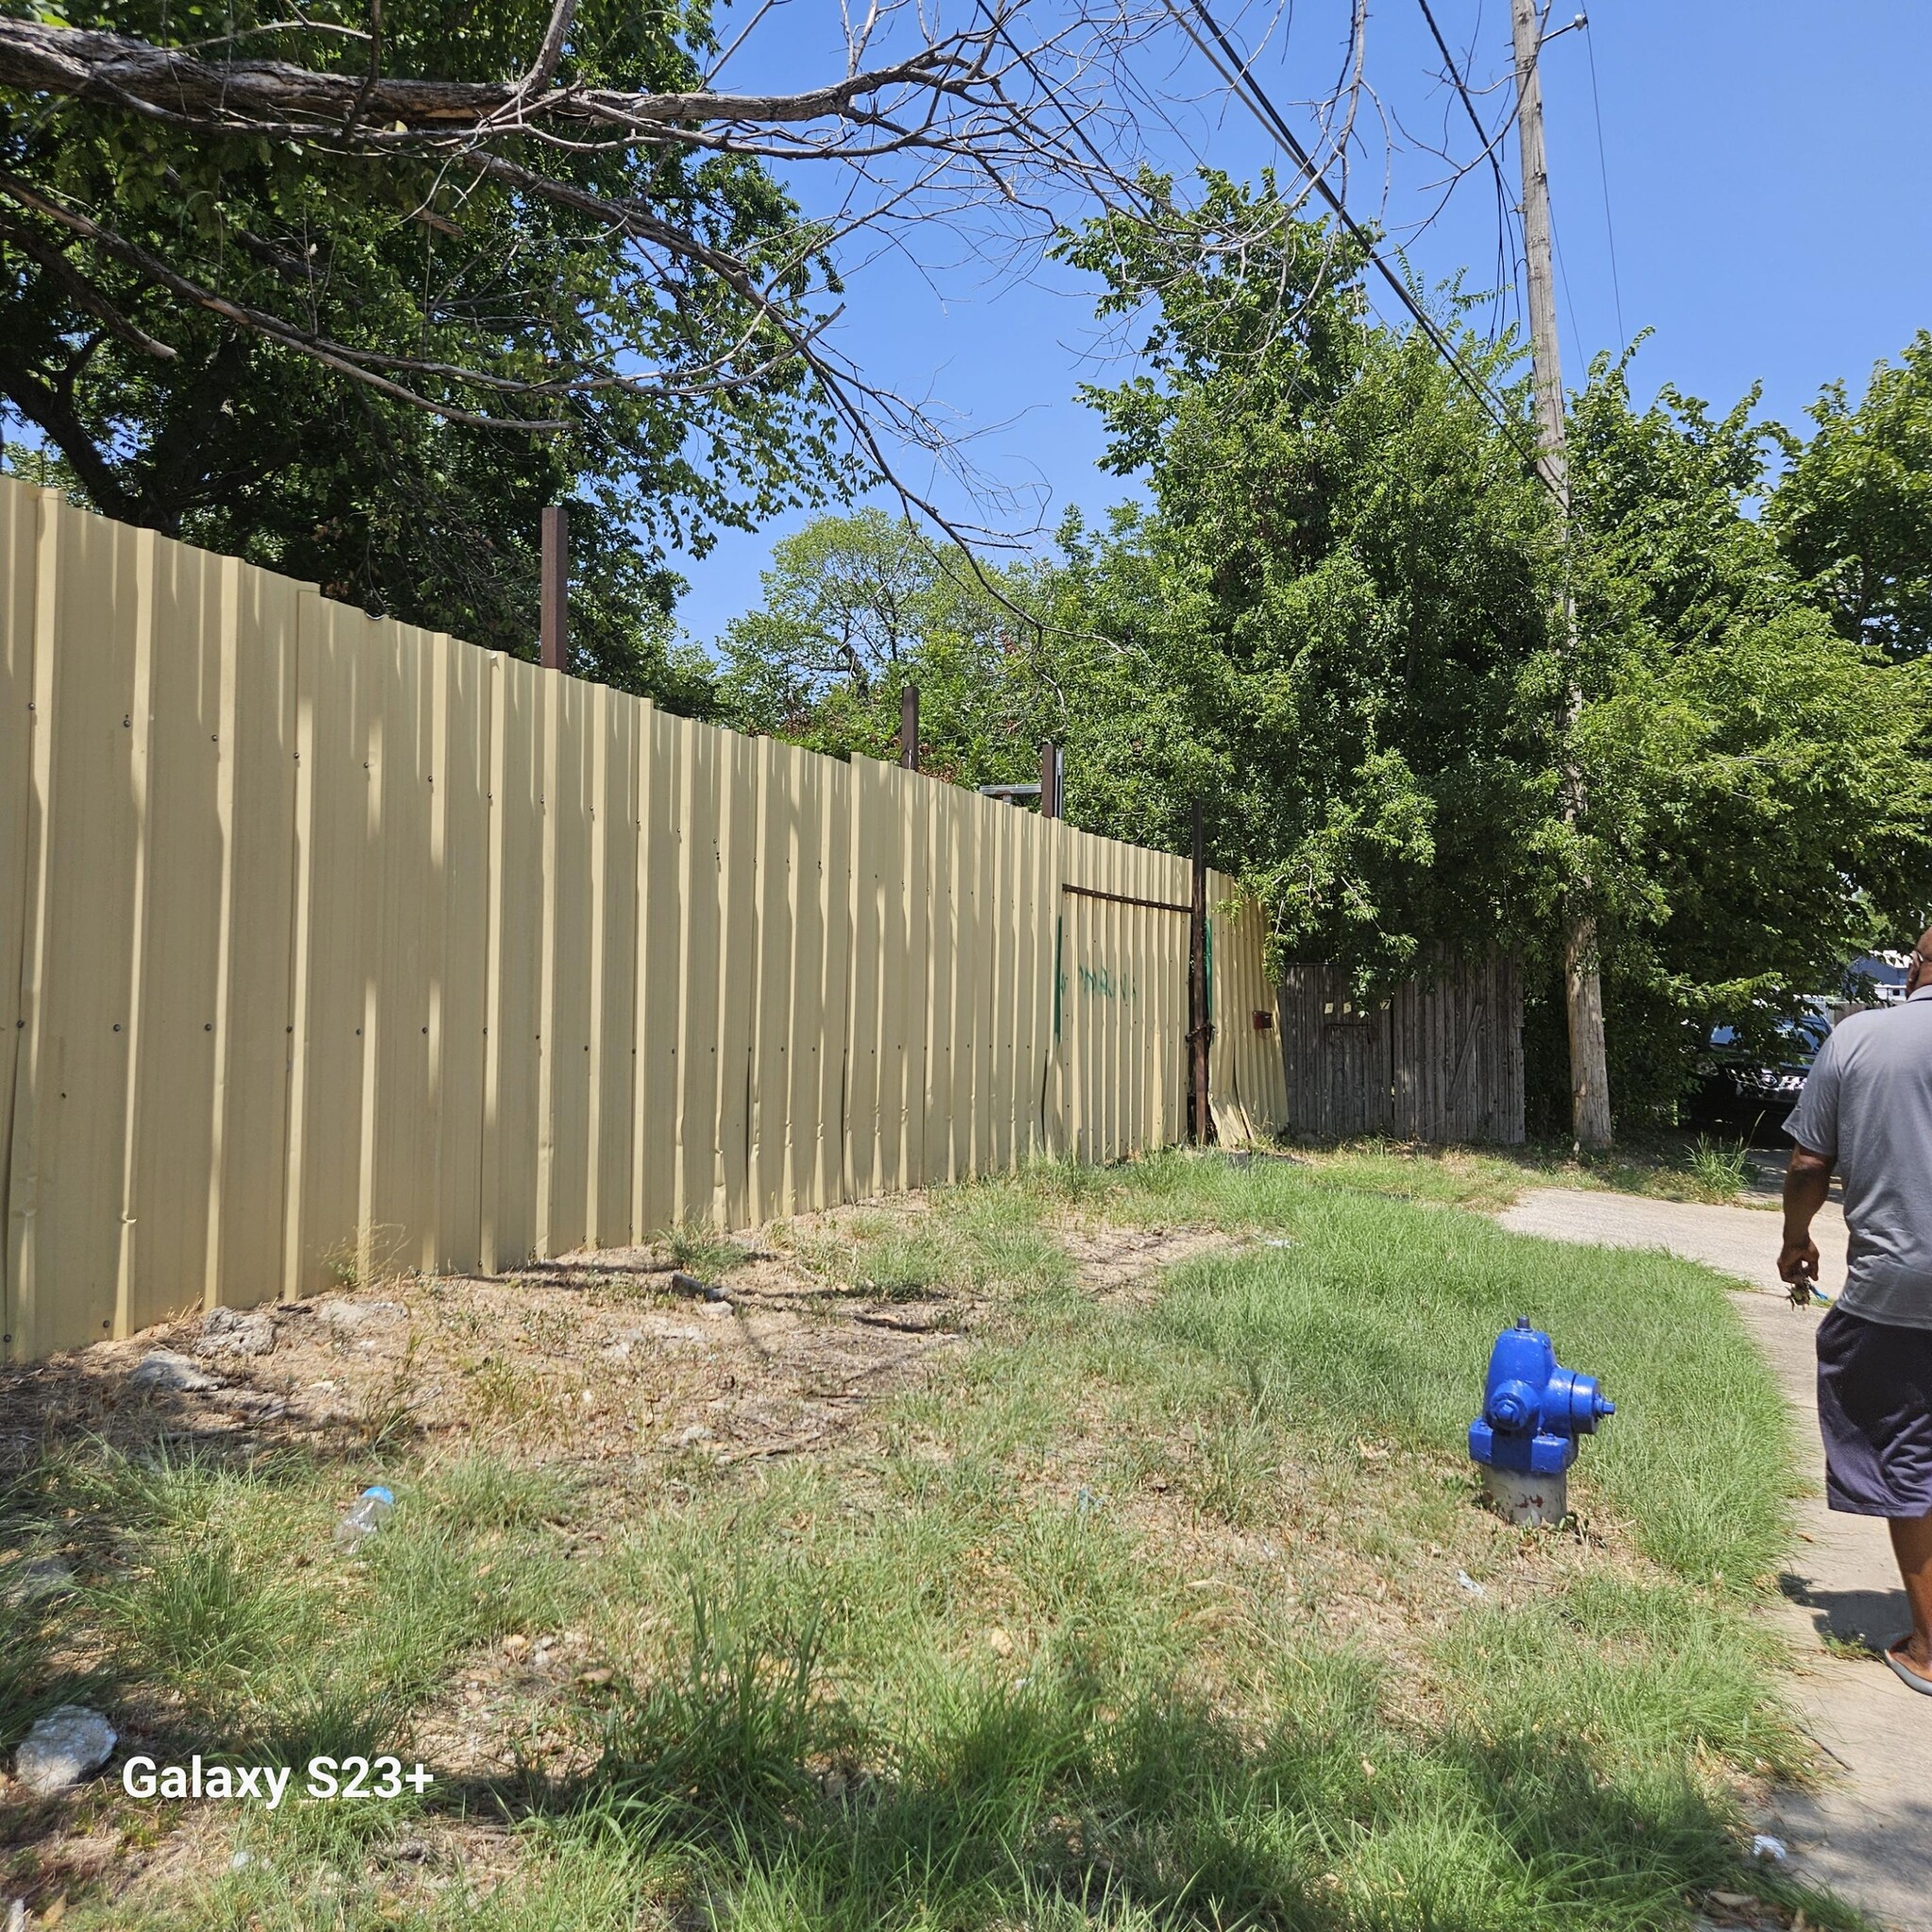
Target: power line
1603	176
1255	98
1504	238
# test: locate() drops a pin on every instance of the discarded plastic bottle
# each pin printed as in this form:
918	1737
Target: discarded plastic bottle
364	1518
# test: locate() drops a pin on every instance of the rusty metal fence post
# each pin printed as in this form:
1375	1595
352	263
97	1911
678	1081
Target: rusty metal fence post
1200	1024
553	597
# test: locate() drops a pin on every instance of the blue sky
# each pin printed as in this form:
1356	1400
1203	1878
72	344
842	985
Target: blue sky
1766	168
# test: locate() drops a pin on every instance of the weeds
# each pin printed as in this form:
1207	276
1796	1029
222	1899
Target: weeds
1093	1629
701	1250
1718	1167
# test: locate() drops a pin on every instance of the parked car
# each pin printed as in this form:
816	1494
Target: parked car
1751	1091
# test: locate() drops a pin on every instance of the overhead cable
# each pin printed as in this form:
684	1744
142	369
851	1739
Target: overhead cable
1253	96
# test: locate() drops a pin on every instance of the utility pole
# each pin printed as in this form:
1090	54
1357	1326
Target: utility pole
1589	1081
908	727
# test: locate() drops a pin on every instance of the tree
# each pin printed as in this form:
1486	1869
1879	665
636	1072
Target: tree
854	607
539	218
354	289
278	346
1333	623
1852	514
1760	793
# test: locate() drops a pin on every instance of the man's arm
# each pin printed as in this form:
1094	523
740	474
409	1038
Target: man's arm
1807	1182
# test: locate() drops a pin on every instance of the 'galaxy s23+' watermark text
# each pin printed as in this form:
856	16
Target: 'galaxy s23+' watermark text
267	1785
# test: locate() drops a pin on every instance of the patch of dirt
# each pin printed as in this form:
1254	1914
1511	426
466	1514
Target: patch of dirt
1127	1262
602	1358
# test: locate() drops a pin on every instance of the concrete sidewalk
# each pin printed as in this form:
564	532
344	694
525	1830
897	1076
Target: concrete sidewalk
1868	1833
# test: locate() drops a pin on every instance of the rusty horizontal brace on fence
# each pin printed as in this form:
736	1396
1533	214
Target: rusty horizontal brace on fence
1122	899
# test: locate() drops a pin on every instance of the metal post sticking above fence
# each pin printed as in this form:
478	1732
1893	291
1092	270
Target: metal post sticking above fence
908	727
1200	1028
1053	772
554	614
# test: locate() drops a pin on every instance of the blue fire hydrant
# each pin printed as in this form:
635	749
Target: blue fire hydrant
1534	1409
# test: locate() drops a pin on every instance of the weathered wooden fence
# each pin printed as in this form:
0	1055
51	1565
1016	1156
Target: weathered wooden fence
1440	1059
341	946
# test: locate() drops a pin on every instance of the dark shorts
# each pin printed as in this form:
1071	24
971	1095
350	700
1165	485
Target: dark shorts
1874	1410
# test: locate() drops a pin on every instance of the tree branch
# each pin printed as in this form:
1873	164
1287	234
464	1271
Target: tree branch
277	96
304	344
55	416
83	290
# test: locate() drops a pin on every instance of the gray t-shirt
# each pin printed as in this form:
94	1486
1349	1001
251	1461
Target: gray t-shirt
1868	1102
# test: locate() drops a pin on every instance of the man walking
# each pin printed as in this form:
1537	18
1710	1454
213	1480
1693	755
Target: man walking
1867	1111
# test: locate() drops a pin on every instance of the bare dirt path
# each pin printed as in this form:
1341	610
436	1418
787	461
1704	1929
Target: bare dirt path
1867	1832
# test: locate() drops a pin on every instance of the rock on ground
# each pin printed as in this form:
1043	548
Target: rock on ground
237	1331
351	1314
161	1368
38	1580
62	1748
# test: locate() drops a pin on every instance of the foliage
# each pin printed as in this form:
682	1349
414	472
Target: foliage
1758	791
857	606
1853	512
1332	623
1335	623
163	413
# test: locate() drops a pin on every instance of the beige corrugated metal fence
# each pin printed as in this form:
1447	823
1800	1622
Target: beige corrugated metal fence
343	947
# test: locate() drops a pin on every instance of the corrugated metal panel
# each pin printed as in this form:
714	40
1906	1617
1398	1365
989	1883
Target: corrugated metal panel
340	946
1248	1090
22	512
462	682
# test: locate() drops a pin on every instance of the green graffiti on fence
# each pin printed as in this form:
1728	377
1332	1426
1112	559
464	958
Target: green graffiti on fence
1103	982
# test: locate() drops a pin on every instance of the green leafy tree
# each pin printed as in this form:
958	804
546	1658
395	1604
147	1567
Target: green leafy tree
1853	511
1758	787
856	607
285	349
355	287
1332	625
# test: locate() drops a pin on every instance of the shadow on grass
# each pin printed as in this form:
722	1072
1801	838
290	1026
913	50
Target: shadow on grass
1073	1797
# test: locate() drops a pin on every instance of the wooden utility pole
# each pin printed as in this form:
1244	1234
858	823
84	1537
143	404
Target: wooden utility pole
908	727
1589	1080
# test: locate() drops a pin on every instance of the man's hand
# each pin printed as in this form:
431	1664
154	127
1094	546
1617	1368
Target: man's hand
1797	1264
1807	1181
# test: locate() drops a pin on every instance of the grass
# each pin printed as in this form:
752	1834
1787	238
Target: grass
1142	1612
1719	1168
1666	1166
